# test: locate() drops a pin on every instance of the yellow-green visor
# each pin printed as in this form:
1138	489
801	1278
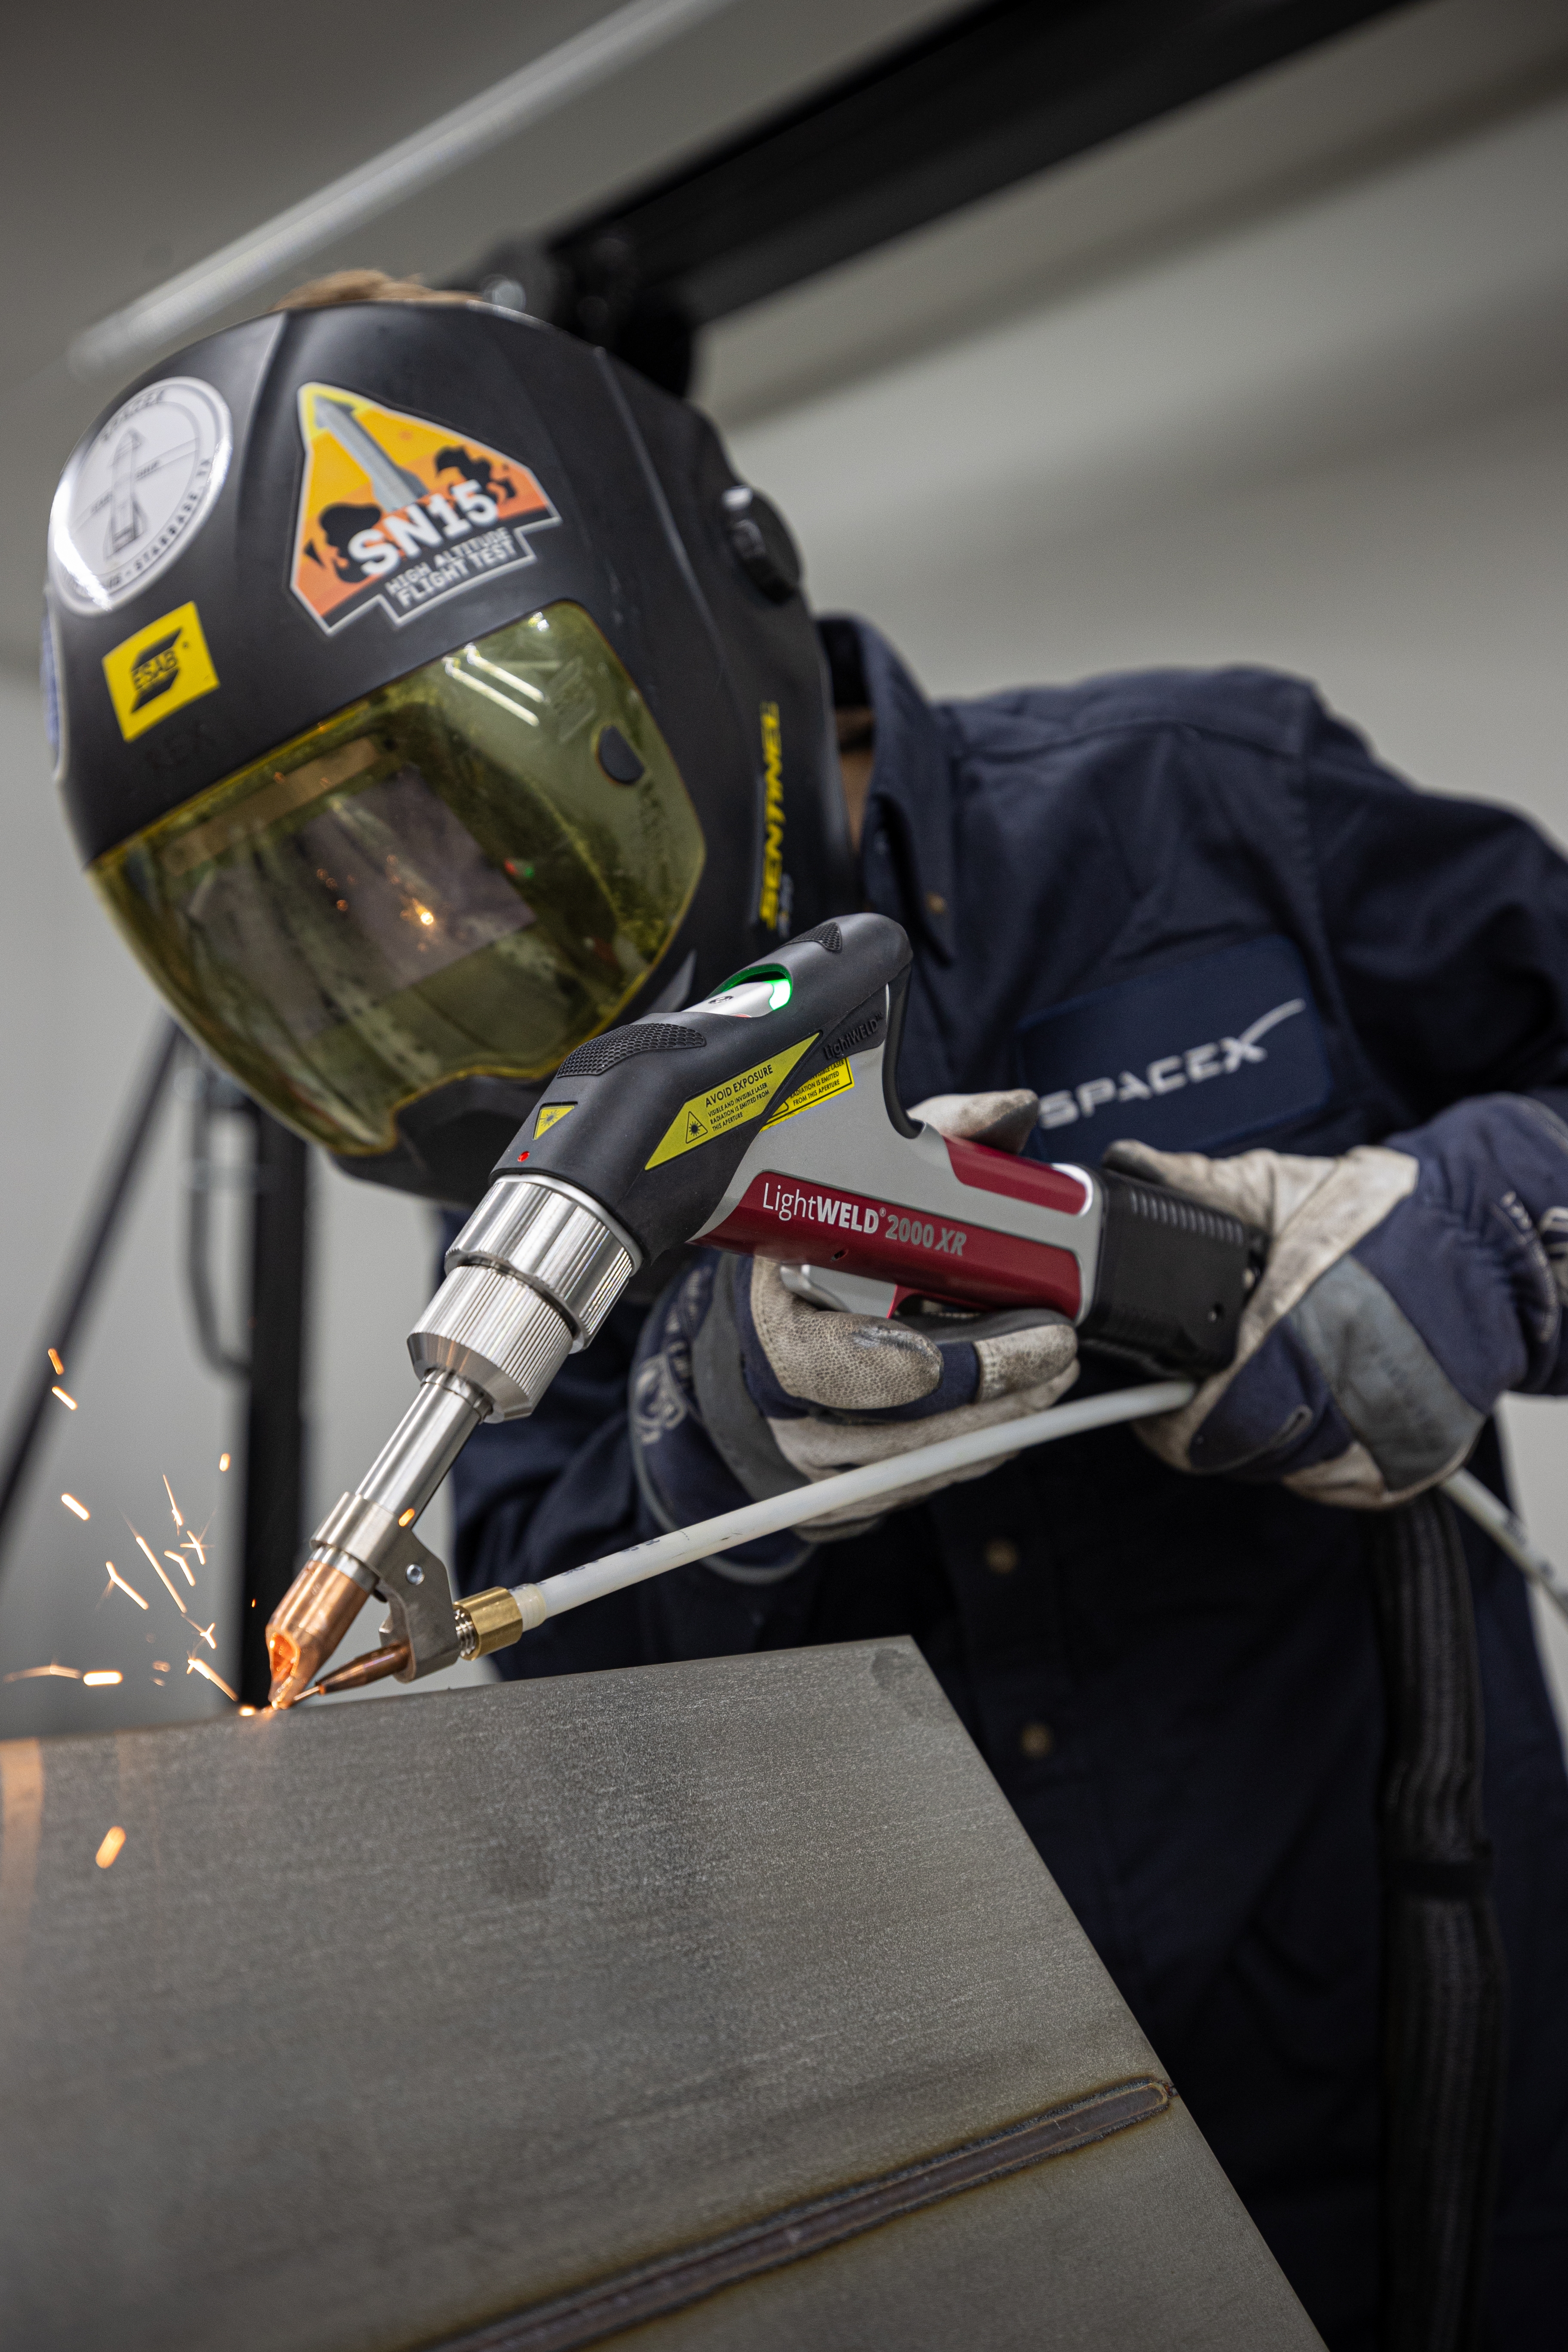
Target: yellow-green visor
468	872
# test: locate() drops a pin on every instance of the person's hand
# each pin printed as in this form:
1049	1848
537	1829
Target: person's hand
786	1392
837	1390
1408	1286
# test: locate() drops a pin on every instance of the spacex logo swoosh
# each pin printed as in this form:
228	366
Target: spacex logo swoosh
1221	1057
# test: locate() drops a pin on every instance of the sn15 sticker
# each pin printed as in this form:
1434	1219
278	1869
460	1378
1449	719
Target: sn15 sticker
399	512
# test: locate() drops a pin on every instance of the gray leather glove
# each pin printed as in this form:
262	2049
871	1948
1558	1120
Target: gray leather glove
1409	1285
831	1391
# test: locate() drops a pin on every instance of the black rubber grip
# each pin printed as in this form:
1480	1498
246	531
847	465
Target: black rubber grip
1172	1278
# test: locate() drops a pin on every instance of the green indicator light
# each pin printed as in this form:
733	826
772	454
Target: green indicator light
780	988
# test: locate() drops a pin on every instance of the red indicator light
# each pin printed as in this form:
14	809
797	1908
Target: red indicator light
521	1156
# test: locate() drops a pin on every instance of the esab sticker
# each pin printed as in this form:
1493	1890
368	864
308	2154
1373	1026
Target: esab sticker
156	672
399	512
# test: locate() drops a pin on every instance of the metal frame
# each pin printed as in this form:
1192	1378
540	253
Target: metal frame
990	97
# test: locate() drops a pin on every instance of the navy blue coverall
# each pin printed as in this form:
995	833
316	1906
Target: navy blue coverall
1188	907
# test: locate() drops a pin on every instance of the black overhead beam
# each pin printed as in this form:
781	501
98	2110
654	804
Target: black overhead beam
987	98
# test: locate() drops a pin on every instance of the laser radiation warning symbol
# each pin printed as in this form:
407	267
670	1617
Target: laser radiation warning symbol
399	512
728	1104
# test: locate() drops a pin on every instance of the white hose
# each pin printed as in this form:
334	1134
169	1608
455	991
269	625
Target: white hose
1509	1534
878	1480
872	1484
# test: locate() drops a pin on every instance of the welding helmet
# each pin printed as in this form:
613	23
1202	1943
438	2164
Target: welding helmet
429	696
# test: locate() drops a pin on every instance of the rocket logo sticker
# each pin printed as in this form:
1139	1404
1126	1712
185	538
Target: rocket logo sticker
399	512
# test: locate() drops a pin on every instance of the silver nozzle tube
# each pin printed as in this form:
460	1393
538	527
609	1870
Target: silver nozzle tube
434	1431
361	1528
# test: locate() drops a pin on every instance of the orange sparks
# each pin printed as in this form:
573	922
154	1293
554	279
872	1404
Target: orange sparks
184	1565
116	1579
69	1401
205	1631
248	1710
172	1504
407	1518
192	1542
25	1674
223	1461
161	1665
72	1505
113	1840
60	1368
159	1571
103	1677
200	1666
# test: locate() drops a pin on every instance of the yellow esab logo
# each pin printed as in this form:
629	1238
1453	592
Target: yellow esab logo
728	1104
158	671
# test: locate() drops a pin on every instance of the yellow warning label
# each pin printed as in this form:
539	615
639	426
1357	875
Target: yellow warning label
726	1106
551	1115
158	671
831	1081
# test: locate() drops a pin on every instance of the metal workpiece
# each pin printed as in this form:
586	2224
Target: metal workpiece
726	2002
555	1238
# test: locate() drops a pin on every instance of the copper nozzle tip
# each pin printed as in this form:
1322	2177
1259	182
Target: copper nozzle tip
373	1667
307	1626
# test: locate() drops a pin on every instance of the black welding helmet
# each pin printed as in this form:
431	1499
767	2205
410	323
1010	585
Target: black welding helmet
428	697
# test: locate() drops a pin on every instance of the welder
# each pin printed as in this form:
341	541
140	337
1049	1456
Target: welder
431	698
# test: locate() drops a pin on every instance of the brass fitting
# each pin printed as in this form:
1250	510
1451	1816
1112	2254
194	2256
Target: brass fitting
488	1621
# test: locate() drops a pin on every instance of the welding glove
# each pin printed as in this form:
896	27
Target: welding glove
737	1370
1409	1285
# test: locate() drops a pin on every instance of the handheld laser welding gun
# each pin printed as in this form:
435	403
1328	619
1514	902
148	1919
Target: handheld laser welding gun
763	1120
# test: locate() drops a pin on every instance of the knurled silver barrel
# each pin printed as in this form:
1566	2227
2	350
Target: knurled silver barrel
530	1278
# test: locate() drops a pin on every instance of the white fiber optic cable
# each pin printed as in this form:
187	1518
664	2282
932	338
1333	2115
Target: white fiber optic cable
870	1484
876	1481
1509	1534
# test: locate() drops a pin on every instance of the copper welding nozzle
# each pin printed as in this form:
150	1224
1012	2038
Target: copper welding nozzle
307	1626
371	1668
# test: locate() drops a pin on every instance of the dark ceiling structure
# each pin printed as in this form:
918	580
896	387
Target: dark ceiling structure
993	95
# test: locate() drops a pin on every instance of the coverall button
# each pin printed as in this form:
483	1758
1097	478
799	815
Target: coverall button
1001	1555
1036	1741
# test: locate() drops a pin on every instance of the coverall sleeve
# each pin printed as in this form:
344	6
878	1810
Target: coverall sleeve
1447	920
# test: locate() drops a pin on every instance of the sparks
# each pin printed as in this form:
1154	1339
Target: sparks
159	1571
113	1840
192	1542
25	1674
223	1461
161	1665
407	1518
72	1505
100	1679
60	1368
116	1579
69	1402
205	1631
172	1504
200	1666
184	1565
